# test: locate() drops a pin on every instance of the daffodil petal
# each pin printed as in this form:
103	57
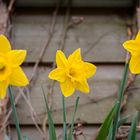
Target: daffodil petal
3	89
138	36
4	44
58	74
90	69
76	55
134	64
18	78
82	86
17	57
61	60
67	88
132	46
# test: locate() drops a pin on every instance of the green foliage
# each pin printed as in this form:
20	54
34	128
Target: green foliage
52	133
121	91
106	126
64	119
15	114
132	133
70	136
122	121
113	120
110	132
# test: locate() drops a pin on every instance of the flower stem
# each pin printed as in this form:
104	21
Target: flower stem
15	114
121	92
70	136
64	119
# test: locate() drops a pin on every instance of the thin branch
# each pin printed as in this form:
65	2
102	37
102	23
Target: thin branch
61	47
9	11
32	112
42	52
34	71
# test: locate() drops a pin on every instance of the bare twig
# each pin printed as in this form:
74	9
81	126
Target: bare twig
61	47
33	114
51	31
9	11
3	30
125	131
8	114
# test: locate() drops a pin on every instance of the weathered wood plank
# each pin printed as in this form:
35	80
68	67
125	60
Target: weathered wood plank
88	133
100	37
138	17
3	18
93	107
77	3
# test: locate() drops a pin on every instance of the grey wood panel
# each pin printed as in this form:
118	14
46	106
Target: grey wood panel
93	107
88	133
100	37
77	3
3	17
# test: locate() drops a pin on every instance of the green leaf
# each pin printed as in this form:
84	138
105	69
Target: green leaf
110	132
132	133
121	92
14	111
122	121
64	119
52	132
64	131
26	138
104	130
70	136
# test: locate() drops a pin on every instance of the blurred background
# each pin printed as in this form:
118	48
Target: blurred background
98	27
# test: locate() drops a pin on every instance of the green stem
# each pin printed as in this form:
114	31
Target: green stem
64	108
121	91
123	83
64	119
15	114
70	136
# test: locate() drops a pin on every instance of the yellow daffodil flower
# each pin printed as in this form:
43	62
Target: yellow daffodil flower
10	70
72	73
133	46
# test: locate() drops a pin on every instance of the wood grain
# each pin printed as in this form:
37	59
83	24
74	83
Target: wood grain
76	3
3	17
100	37
88	133
93	107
